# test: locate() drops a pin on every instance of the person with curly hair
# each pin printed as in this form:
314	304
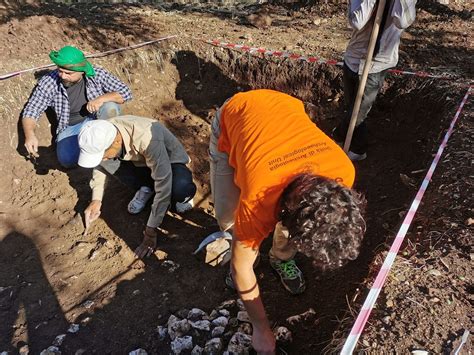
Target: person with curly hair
273	169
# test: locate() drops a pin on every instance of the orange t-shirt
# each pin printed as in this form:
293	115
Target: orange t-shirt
270	139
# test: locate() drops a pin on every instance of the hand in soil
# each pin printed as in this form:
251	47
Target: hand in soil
263	341
147	247
31	145
91	213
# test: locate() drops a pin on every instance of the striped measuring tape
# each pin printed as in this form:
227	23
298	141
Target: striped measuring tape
311	59
95	55
369	302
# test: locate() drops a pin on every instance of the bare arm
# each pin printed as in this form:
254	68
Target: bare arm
31	142
245	280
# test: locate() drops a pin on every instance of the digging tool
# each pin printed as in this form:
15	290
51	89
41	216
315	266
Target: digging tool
211	238
365	74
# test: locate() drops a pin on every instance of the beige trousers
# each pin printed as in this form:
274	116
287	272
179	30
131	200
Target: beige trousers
225	196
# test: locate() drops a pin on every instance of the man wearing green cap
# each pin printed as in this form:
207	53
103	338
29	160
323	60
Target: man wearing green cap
78	92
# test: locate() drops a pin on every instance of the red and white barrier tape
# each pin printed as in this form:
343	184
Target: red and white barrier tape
369	302
310	59
95	55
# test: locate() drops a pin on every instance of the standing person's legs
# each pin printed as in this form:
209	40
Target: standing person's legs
351	84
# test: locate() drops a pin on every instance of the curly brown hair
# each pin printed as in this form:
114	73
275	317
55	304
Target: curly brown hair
324	220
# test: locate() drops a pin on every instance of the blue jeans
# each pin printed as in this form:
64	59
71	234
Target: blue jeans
67	147
374	83
183	188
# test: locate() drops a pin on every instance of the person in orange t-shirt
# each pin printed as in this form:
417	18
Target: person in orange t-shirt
272	169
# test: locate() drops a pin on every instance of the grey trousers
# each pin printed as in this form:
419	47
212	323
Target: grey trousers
351	84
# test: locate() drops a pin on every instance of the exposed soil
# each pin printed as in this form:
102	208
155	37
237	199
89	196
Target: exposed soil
49	271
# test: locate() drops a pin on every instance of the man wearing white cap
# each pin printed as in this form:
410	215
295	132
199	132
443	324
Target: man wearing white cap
144	155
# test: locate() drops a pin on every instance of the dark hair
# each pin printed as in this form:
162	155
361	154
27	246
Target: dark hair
324	220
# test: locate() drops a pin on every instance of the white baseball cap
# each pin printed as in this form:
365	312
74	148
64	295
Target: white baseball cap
95	138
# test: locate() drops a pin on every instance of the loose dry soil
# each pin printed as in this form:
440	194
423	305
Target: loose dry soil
52	276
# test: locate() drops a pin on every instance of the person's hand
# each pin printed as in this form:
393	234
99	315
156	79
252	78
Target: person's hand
91	213
148	245
263	341
94	105
31	145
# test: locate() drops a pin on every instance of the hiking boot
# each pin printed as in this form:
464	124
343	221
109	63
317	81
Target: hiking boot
138	202
291	277
356	157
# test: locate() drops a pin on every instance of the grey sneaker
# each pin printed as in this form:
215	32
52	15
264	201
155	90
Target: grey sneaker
290	275
356	157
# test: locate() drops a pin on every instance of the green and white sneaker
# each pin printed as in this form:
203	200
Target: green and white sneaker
290	275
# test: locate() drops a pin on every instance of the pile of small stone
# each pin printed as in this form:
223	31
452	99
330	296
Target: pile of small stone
225	330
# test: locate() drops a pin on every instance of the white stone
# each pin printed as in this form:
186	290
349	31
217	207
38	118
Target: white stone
224	312
213	346
196	314
178	328
201	325
180	344
239	343
138	352
283	335
220	322
59	340
243	316
227	304
52	350
217	332
197	350
73	328
162	332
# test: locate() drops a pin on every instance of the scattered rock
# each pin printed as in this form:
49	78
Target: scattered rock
138	352
179	344
224	312
196	314
283	334
419	352
178	328
201	325
197	350
170	265
59	340
88	304
245	328
213	346
470	221
389	303
220	322
240	343
24	350
52	350
217	331
182	313
243	316
434	272
73	328
162	332
227	304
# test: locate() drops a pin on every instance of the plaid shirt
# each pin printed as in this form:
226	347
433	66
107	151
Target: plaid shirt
50	92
